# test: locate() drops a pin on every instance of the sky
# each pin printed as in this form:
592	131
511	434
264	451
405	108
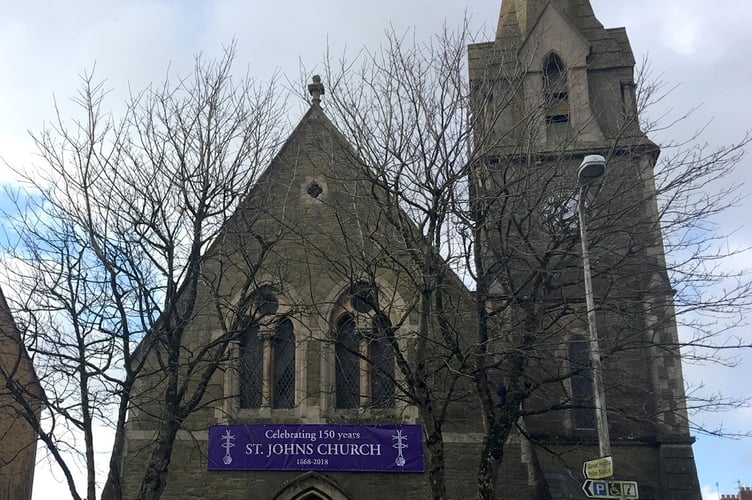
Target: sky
46	45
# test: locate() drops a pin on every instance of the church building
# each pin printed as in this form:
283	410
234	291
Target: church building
20	394
318	283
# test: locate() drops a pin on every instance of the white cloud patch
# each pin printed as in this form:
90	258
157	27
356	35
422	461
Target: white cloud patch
683	28
710	493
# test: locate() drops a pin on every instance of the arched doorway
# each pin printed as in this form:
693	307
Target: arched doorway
311	486
315	494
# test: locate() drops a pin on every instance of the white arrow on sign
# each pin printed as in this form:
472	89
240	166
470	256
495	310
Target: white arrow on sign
610	489
596	489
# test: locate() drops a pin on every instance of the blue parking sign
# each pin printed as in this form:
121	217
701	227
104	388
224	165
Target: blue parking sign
600	489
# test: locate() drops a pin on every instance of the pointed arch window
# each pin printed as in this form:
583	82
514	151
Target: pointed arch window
283	362
382	372
364	356
347	364
267	355
555	90
251	367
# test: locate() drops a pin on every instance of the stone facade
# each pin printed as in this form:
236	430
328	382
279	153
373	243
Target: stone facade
19	392
320	246
554	86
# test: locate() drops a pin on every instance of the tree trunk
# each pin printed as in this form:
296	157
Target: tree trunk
155	478
436	467
113	489
488	472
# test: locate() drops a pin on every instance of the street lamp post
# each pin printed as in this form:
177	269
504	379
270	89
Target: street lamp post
591	169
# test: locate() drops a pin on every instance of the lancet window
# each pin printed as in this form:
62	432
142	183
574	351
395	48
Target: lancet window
364	355
555	90
267	354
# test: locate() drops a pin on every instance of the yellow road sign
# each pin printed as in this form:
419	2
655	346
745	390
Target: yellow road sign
600	468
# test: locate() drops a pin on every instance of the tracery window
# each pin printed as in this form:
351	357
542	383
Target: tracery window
251	367
382	373
267	355
347	364
283	362
364	355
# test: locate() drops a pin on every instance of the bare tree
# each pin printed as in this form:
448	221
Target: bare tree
128	240
111	240
464	185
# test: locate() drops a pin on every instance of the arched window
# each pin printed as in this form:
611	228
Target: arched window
267	355
283	379
364	354
347	363
251	367
382	370
555	90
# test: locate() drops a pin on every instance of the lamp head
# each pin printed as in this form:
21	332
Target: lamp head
591	168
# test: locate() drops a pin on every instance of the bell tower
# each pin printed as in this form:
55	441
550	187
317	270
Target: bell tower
553	87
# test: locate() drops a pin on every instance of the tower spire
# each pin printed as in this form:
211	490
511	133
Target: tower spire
515	16
518	17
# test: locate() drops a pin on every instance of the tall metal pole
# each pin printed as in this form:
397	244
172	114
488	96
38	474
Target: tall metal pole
601	419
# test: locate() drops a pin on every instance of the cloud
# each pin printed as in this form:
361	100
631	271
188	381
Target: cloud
45	45
710	493
684	33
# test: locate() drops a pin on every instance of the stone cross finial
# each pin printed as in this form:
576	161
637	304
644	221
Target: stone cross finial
316	89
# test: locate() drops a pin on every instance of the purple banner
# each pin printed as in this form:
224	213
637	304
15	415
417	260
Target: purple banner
353	448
